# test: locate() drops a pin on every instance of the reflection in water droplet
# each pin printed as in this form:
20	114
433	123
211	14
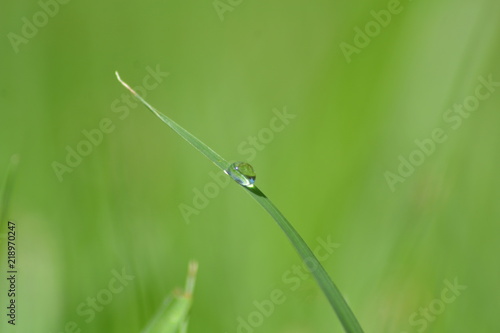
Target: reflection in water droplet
242	173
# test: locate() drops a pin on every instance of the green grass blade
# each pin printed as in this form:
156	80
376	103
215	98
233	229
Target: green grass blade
172	317
337	301
332	293
203	148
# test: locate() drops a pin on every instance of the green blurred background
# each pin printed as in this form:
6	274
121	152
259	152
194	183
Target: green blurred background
326	170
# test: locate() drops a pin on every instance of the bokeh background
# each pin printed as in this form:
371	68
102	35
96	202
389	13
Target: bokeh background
229	71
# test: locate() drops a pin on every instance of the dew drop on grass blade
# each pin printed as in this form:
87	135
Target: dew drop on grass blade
243	174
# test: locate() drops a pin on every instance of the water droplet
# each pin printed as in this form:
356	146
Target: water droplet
242	173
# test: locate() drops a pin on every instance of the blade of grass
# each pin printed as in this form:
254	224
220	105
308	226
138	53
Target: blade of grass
332	293
172	317
202	148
